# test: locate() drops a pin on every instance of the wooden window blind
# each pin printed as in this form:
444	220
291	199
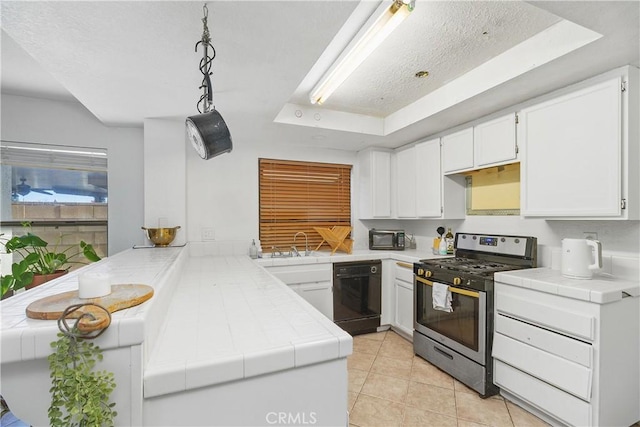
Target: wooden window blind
297	196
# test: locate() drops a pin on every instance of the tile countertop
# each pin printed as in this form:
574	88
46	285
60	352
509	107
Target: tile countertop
230	319
601	289
408	255
22	338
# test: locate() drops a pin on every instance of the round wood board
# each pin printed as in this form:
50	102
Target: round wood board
121	297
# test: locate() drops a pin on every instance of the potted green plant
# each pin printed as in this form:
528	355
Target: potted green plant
40	262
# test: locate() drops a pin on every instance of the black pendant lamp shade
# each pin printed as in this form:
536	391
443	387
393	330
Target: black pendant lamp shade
209	134
207	131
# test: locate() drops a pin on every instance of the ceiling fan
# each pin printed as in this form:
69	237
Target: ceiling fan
23	189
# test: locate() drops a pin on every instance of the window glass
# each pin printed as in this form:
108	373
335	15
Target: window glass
62	191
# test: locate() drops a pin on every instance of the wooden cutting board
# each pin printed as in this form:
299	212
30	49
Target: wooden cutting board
121	297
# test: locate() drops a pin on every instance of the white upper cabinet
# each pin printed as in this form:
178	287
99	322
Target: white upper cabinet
374	183
575	154
457	151
495	141
421	190
429	180
406	168
486	144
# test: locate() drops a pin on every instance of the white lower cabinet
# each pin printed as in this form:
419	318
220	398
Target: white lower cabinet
403	292
570	360
311	281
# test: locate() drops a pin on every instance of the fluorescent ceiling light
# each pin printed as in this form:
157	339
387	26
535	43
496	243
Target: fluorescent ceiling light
360	48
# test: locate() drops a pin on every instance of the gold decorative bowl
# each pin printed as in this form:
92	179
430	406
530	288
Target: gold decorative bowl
161	236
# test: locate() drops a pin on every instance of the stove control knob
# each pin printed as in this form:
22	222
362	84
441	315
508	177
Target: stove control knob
457	280
420	272
428	273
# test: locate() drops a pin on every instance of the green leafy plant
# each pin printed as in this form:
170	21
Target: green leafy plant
79	394
40	258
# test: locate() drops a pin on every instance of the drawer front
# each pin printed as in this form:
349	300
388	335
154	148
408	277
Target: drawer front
302	273
551	317
551	342
561	373
543	396
404	273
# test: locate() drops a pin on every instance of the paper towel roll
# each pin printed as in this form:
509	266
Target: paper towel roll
93	285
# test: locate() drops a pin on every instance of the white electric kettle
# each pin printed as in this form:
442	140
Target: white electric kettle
580	258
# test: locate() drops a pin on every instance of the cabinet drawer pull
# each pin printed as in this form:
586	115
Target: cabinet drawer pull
404	264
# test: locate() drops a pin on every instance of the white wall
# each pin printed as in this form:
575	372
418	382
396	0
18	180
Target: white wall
165	176
222	193
45	121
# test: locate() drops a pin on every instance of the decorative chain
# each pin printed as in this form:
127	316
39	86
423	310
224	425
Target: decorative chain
205	103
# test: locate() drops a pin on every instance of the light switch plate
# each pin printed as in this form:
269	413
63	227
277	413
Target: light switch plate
208	234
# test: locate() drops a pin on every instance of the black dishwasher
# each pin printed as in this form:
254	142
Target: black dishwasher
357	296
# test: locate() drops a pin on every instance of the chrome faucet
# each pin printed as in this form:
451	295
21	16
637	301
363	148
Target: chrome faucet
307	252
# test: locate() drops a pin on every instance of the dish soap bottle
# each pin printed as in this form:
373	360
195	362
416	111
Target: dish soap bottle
259	249
253	250
442	249
449	241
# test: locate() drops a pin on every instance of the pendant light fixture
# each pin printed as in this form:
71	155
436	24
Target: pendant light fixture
207	131
360	48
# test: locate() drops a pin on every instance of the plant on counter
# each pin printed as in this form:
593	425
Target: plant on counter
38	258
79	394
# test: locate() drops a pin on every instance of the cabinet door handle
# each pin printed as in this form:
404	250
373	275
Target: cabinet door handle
404	264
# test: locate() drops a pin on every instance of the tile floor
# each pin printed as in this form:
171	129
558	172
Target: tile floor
390	386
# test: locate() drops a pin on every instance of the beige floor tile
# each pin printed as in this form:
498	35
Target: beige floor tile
396	349
421	418
472	407
365	345
465	423
392	367
431	398
376	336
462	388
424	372
384	387
356	379
395	337
360	361
522	418
352	400
372	411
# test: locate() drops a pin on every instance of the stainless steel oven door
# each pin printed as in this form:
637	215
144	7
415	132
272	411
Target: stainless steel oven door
463	330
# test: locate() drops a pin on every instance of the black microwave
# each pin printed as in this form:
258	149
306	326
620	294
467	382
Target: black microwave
386	239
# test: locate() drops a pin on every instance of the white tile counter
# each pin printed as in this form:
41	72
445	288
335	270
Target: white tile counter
217	329
408	255
24	339
230	319
601	289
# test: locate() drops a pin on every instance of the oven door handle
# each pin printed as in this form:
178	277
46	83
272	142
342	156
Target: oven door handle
452	289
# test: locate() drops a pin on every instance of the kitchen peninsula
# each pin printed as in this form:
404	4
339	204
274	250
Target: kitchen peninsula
219	333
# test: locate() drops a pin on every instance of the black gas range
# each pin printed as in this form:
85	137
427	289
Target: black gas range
459	339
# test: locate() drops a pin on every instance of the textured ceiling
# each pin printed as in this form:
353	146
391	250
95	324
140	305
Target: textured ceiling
126	61
447	39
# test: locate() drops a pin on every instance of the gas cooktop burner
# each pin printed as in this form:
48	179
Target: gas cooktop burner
468	265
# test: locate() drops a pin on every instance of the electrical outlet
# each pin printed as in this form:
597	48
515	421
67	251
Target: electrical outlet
208	234
590	235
